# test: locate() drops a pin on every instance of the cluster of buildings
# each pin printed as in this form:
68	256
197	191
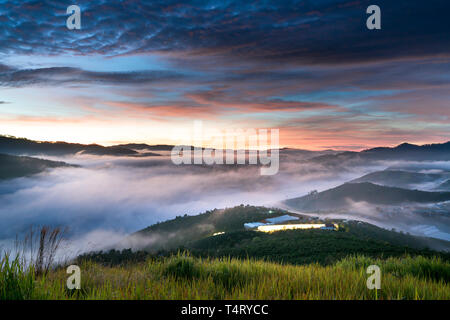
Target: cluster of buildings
280	224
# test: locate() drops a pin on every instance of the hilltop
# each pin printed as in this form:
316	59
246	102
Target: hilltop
221	233
18	166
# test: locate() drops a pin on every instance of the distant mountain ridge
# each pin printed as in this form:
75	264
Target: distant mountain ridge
337	198
398	178
22	146
404	151
27	147
144	146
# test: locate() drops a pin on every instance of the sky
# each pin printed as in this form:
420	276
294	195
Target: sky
139	71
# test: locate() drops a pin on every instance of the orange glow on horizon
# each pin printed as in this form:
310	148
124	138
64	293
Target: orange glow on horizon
122	131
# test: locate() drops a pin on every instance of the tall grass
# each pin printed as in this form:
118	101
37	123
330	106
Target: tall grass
185	277
433	268
16	281
39	247
33	257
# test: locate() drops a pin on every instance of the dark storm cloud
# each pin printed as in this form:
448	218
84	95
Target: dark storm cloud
312	32
64	75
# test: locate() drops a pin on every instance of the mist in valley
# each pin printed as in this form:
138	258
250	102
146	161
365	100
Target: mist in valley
109	197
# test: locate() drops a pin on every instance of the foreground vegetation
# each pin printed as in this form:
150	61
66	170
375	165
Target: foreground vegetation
294	264
184	277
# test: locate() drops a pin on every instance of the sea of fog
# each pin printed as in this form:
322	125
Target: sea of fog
109	197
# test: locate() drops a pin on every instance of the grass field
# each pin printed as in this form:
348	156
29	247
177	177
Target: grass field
185	277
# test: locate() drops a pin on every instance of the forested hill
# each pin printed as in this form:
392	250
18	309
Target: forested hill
17	166
338	198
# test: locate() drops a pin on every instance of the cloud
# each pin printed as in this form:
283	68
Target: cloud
65	75
310	68
323	32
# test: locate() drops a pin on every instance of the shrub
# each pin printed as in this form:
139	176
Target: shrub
228	275
182	267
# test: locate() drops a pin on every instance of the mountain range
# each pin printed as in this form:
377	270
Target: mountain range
400	179
338	198
404	152
22	146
